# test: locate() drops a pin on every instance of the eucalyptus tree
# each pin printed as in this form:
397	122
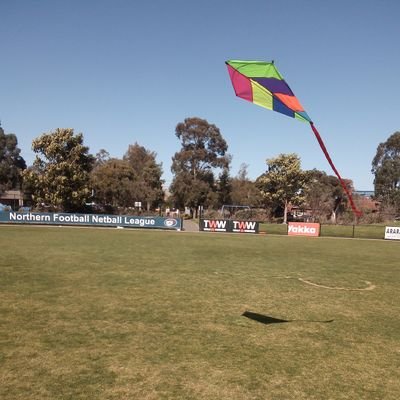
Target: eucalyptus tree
386	168
324	195
203	153
11	162
148	173
244	191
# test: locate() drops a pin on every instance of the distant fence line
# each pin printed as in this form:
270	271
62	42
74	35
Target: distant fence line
330	230
205	224
300	229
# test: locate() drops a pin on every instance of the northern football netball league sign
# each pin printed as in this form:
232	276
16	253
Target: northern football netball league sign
125	221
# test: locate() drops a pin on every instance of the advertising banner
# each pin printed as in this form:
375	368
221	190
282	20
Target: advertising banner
127	221
392	232
245	226
214	225
303	229
225	225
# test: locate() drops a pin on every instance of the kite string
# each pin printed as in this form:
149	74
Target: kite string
344	186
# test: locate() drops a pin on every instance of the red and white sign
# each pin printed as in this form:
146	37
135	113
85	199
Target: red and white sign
303	229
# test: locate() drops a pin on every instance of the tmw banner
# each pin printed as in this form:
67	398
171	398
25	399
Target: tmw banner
392	232
126	221
225	225
303	229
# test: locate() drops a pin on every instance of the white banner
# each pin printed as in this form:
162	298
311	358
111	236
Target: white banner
392	232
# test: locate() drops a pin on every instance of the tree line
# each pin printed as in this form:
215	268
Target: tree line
65	176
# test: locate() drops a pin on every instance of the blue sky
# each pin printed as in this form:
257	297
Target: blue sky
124	71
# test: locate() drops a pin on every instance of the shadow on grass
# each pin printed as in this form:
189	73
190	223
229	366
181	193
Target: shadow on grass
267	320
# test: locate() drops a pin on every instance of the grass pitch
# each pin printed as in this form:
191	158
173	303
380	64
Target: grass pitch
123	314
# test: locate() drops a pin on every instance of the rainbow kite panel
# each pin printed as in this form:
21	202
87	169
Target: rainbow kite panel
261	83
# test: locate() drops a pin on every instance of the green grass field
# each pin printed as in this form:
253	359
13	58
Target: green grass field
129	314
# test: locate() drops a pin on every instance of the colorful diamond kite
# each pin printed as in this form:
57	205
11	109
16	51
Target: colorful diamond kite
261	83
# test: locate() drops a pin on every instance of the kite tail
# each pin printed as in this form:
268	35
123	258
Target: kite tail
356	212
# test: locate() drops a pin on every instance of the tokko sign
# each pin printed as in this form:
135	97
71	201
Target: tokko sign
303	229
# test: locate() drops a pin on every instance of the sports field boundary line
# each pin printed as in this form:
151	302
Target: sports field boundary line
260	234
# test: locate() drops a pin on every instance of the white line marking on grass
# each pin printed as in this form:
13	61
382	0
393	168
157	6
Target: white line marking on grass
370	286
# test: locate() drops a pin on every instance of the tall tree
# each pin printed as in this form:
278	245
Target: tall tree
135	178
147	175
113	183
283	183
386	168
324	195
224	188
203	152
59	176
244	190
11	162
102	157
